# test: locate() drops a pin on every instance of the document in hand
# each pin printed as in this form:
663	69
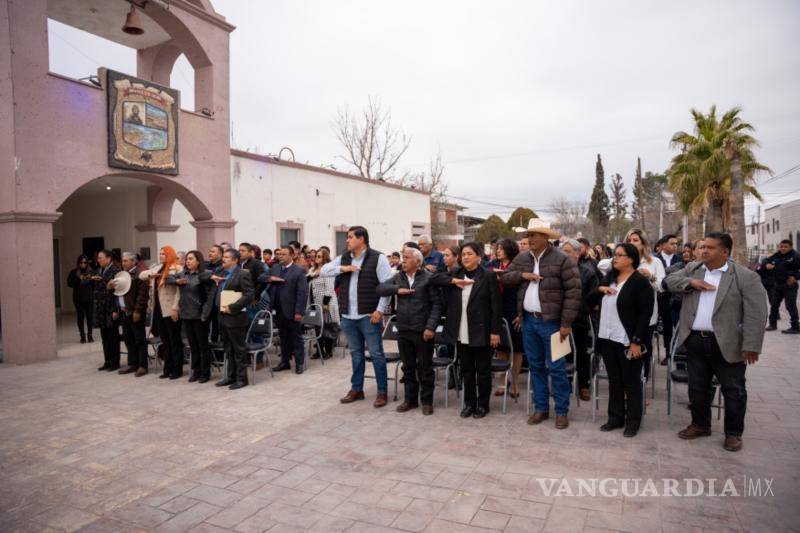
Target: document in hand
559	349
229	297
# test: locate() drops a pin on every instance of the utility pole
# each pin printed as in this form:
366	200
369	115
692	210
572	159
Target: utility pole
661	217
685	227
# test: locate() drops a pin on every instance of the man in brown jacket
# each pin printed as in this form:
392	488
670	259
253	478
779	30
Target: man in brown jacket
133	311
548	300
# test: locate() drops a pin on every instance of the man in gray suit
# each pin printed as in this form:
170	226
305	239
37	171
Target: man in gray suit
722	326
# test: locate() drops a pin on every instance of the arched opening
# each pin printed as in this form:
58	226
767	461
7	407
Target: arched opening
122	213
182	79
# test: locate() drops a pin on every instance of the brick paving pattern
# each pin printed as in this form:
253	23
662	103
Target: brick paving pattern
88	451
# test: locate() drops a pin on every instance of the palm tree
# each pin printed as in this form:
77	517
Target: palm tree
700	175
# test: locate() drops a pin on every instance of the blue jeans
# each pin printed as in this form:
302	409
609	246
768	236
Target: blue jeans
536	334
358	332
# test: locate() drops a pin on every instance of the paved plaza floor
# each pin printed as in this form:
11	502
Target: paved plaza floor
90	451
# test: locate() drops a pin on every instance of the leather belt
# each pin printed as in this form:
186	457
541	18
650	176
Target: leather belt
535	314
704	334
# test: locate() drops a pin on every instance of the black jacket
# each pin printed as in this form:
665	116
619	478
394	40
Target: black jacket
105	303
289	297
634	304
138	295
240	281
256	269
82	288
484	309
589	283
785	266
420	310
197	296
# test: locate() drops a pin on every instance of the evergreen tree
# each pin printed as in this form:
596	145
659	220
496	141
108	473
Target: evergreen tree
599	204
619	204
520	217
640	199
494	228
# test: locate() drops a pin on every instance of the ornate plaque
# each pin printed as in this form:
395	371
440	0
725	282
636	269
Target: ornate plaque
142	124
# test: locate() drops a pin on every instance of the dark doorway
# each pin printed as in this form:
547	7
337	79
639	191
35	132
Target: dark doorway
92	245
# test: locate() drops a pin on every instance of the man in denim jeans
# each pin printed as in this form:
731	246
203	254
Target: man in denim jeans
548	300
362	269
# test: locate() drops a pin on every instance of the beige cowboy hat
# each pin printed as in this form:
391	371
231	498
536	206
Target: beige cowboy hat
537	225
122	283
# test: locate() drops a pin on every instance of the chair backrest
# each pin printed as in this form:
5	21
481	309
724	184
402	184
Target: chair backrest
390	332
261	326
314	317
506	340
438	335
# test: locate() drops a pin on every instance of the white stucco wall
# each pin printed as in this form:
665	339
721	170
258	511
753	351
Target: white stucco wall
265	194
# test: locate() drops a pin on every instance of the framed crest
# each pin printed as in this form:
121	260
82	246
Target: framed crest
142	124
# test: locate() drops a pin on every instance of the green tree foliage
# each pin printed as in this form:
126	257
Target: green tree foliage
520	217
494	228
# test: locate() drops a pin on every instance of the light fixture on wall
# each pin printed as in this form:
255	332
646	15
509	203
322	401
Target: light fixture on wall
133	25
94	80
108	187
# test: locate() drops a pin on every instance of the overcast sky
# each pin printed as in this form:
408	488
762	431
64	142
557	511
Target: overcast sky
520	96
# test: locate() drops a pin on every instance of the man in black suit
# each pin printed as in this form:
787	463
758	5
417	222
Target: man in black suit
233	318
133	312
288	294
668	254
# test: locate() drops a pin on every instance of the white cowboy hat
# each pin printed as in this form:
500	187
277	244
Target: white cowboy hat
537	225
122	283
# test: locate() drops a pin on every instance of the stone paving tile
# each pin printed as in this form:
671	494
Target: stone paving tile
204	459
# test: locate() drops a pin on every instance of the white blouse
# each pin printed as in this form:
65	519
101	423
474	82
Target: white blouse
610	325
463	327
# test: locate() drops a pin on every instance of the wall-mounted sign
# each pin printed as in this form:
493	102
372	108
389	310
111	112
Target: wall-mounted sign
142	124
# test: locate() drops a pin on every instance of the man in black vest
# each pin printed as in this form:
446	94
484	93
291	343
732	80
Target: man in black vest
361	270
668	254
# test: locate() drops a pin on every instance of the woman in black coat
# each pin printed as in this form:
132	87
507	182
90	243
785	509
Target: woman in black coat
80	280
474	311
197	296
626	305
105	313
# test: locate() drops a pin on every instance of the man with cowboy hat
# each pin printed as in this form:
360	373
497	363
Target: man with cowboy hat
548	300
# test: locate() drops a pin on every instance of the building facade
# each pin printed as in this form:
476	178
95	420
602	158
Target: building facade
447	224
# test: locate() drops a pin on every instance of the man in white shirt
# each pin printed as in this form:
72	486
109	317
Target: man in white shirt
722	327
362	269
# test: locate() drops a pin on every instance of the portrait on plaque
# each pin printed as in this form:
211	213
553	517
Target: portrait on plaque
142	124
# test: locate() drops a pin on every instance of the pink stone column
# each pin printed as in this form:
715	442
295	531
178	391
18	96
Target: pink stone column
26	286
213	232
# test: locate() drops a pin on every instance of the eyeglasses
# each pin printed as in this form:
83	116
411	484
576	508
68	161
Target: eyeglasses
620	255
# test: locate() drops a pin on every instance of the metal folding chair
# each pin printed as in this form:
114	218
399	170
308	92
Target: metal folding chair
261	326
313	323
678	372
390	333
448	362
503	366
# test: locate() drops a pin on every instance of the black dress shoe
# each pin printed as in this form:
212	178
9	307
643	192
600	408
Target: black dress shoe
127	370
204	379
112	368
298	369
83	340
238	385
770	328
90	339
315	355
104	367
176	376
467	411
224	383
608	426
163	376
791	331
480	412
193	378
630	431
281	367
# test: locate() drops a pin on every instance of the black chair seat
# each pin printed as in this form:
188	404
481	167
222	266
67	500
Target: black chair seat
153	340
216	345
391	357
681	350
255	346
500	365
442	361
680	375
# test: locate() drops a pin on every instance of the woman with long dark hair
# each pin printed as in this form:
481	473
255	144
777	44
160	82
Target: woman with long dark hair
321	292
507	250
80	280
626	301
474	312
165	308
197	293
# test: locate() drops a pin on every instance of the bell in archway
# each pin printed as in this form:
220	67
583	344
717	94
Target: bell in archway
133	26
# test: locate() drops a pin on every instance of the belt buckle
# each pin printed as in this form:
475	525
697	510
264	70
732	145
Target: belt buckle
706	334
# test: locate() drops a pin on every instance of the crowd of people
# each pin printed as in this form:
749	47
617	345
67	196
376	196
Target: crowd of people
508	300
